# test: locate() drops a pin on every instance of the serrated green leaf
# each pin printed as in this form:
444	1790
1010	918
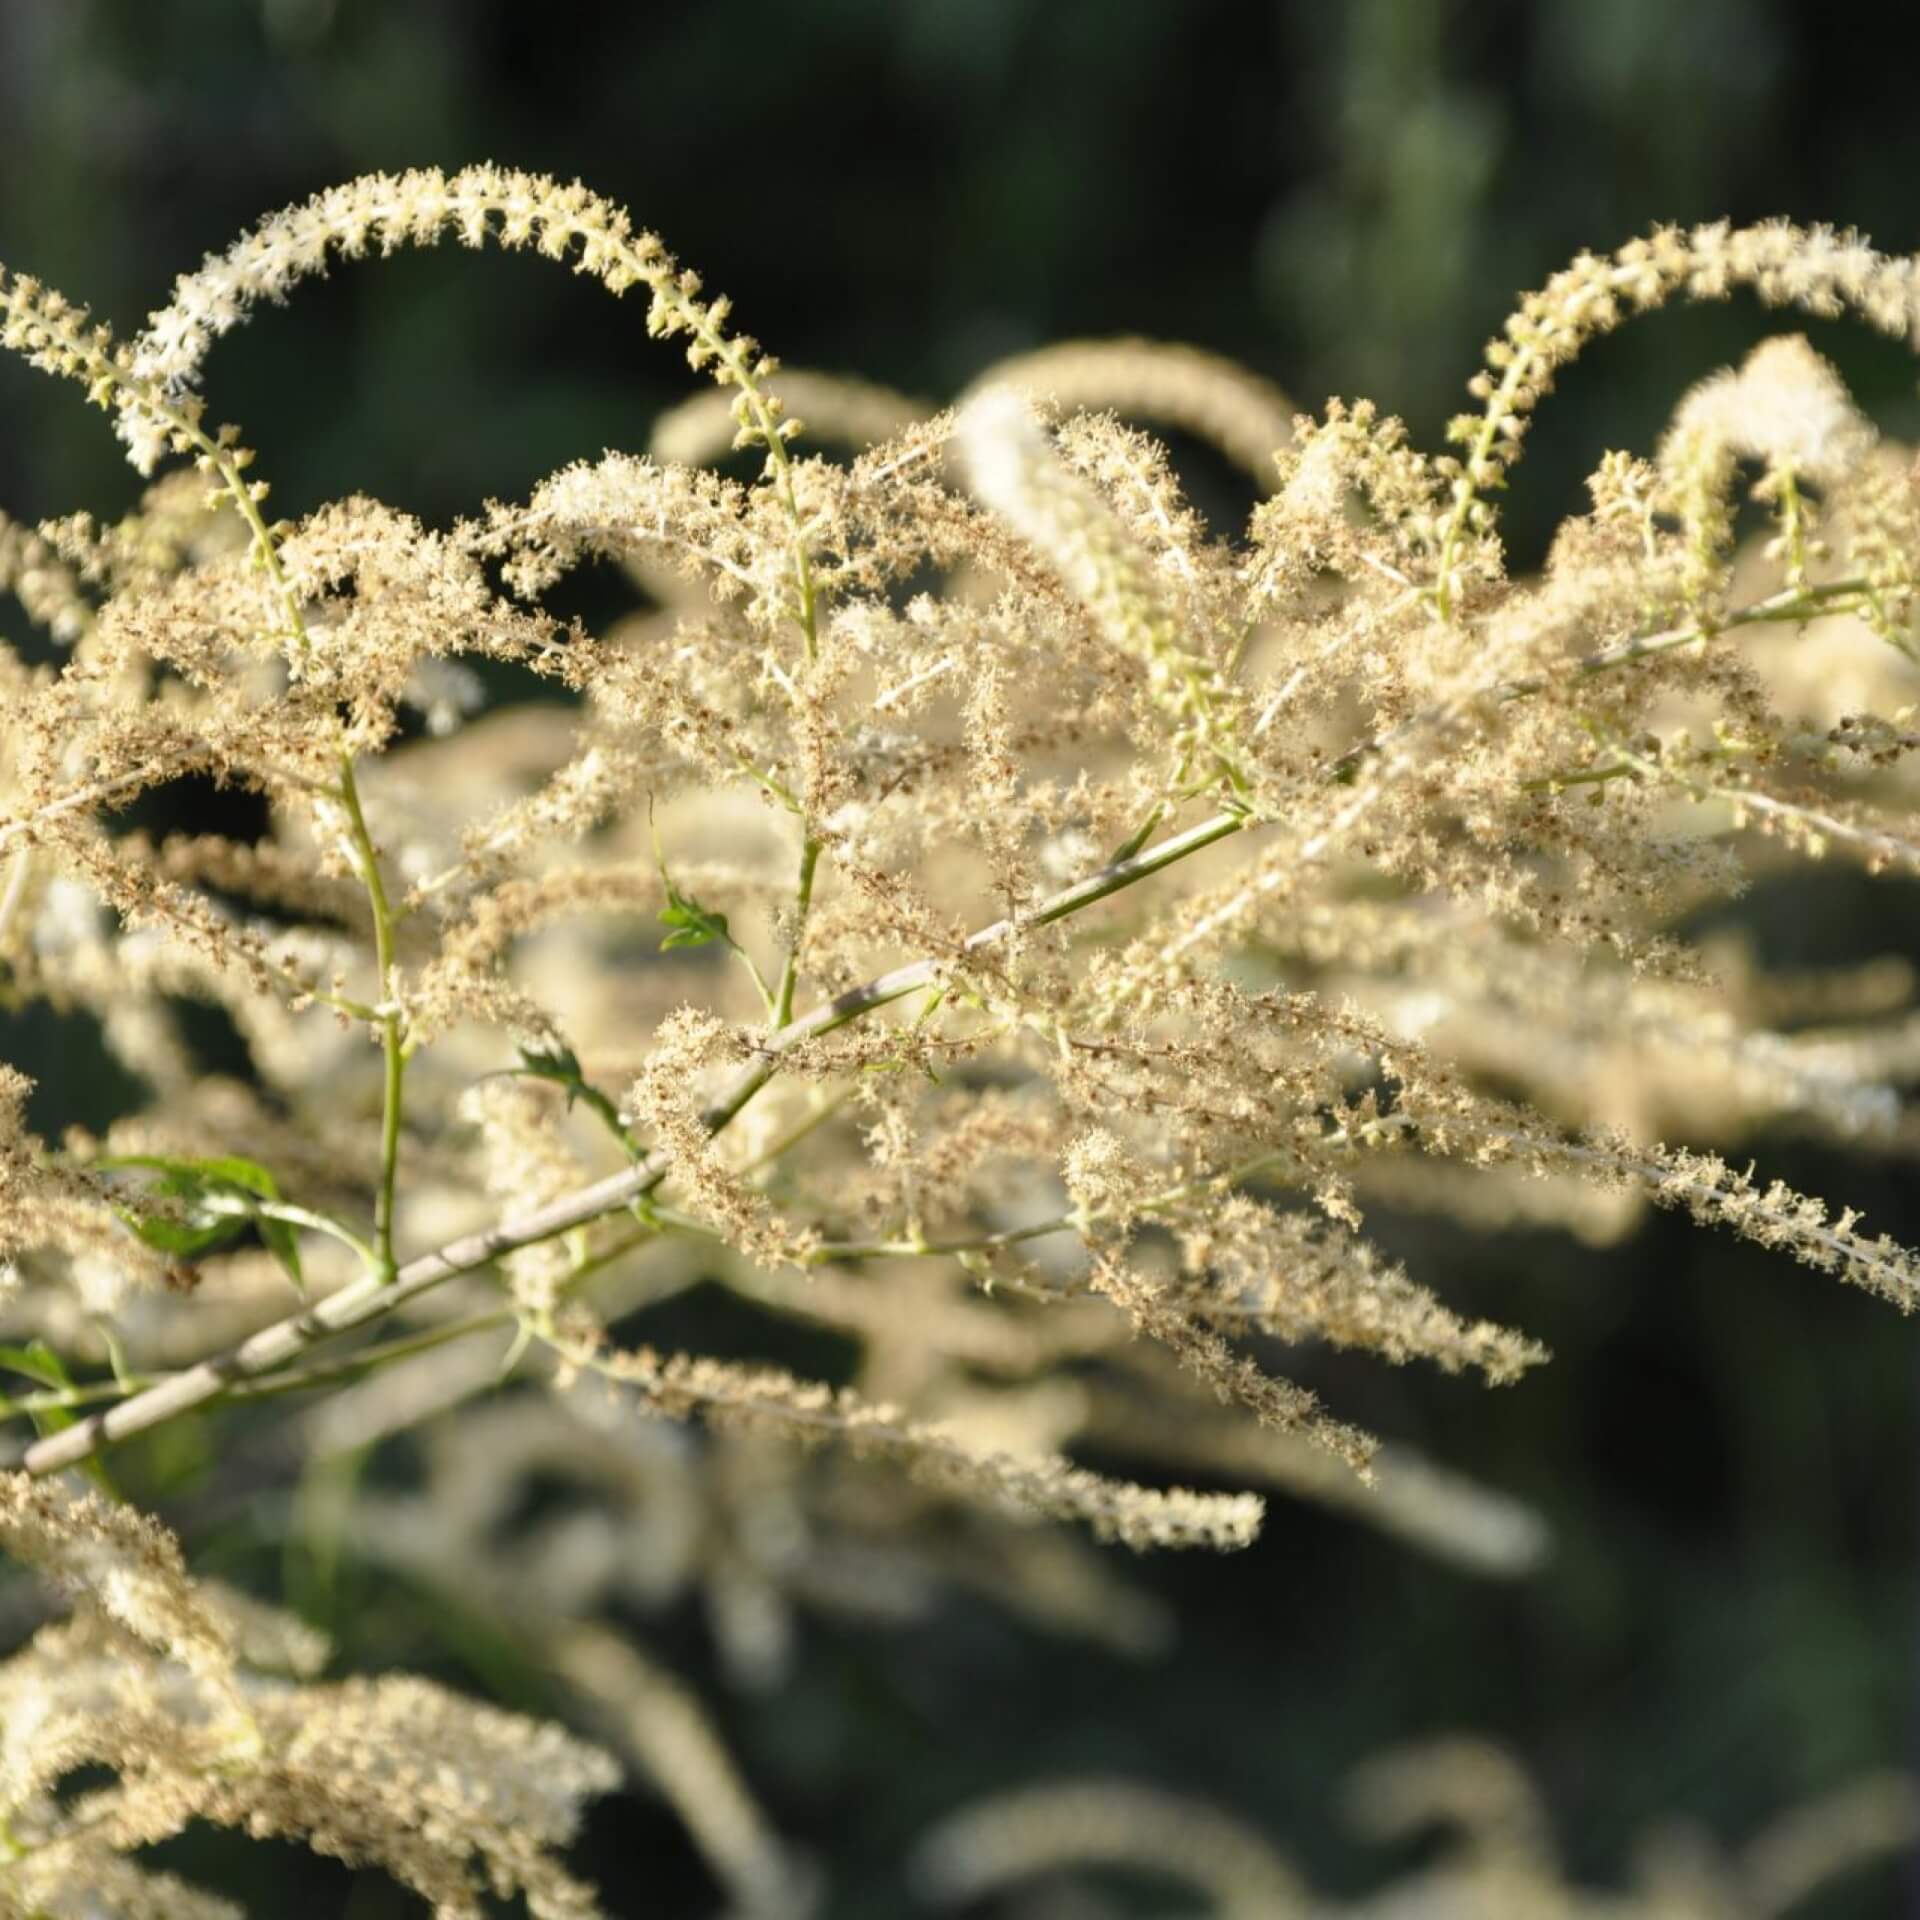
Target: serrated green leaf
689	924
692	924
561	1065
558	1062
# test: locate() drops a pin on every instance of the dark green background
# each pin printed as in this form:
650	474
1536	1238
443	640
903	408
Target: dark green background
1346	197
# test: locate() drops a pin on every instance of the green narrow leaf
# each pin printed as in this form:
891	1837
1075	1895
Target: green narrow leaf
248	1175
45	1368
38	1362
284	1244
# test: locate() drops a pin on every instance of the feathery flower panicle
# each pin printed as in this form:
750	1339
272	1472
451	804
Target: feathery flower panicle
1040	1486
1076	531
45	585
1163	383
969	905
116	1562
834	407
1109	1823
173	1689
1498	1854
652	1716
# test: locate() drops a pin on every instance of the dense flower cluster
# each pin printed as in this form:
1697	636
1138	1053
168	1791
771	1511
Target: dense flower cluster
203	1705
969	905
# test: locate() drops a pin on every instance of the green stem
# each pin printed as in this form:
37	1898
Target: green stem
231	471
354	1366
781	792
818	1117
392	1037
802	904
1583	777
759	979
1793	529
1790	604
1071	1220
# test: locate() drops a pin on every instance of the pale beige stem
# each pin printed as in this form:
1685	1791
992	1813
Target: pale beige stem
374	1296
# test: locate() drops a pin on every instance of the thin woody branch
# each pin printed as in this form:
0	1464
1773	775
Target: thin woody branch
369	1299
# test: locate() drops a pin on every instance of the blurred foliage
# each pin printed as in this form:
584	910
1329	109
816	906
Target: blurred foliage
1346	198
